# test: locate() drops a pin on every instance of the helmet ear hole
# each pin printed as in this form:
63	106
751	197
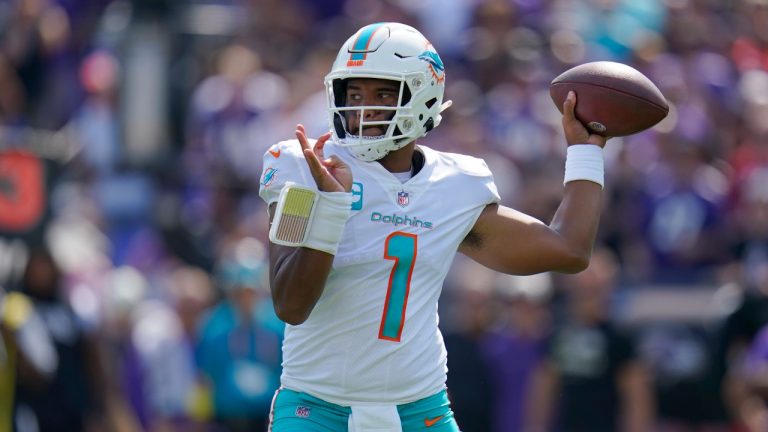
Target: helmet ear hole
429	125
406	95
430	102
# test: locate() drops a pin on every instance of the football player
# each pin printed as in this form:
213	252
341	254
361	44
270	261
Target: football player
365	224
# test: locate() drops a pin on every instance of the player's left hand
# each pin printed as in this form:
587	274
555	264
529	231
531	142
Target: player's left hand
330	174
575	131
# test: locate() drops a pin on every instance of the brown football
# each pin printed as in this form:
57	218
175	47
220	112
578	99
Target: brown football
612	99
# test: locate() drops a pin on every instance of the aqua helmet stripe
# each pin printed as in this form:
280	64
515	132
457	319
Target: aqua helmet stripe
363	40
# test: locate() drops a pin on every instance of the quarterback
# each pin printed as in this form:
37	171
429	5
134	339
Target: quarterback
364	224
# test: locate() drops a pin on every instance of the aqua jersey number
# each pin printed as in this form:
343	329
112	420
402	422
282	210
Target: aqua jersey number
401	248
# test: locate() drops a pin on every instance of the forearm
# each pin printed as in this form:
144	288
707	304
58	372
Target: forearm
299	265
297	279
577	219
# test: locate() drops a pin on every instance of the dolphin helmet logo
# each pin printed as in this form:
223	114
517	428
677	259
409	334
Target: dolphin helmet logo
435	64
433	59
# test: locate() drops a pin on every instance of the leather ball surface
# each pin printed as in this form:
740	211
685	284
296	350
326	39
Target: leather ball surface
612	99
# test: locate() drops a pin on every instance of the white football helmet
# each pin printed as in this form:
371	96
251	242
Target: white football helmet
389	51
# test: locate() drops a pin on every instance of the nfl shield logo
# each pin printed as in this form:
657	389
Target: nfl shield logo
302	411
402	198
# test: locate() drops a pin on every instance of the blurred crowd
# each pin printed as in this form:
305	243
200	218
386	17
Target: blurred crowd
133	283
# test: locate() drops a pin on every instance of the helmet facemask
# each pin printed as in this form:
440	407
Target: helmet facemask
398	124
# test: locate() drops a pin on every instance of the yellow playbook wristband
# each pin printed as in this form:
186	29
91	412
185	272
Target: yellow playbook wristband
305	217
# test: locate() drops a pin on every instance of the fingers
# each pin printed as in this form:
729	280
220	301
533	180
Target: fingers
323	139
320	144
331	164
313	155
569	105
329	174
322	169
574	130
301	135
334	162
312	160
315	166
340	172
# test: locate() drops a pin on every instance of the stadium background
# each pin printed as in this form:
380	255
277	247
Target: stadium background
131	136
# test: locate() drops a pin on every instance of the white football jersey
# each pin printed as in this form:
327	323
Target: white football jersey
373	336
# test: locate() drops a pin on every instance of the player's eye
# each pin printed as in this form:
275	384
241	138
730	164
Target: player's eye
354	97
388	97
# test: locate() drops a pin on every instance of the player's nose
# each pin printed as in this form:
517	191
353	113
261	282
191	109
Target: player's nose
370	114
373	113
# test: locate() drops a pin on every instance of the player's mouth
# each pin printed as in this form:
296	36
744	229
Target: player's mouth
372	131
368	131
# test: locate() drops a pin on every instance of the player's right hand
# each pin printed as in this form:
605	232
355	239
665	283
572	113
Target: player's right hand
331	174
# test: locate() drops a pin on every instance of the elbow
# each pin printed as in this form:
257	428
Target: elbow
575	263
293	316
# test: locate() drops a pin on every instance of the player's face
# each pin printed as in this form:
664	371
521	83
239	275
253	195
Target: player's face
370	92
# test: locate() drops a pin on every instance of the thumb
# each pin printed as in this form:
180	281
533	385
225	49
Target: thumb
334	162
569	105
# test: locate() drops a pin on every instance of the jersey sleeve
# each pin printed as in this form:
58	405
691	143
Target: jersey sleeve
488	185
283	162
477	174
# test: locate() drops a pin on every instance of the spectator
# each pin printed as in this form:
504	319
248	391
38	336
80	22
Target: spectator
468	325
738	332
514	348
592	379
239	342
74	397
164	334
748	386
241	73
26	351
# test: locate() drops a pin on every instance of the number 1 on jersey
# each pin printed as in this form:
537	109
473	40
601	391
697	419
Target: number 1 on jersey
401	248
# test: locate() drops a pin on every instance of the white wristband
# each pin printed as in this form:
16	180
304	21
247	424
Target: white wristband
308	218
333	209
584	162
